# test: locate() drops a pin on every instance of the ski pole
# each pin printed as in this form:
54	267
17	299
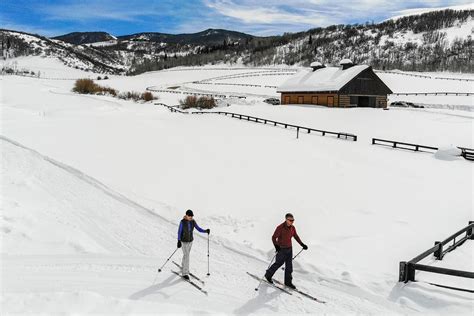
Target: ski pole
261	280
208	255
283	268
159	270
297	254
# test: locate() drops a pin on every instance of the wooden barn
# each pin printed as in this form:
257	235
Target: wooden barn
346	86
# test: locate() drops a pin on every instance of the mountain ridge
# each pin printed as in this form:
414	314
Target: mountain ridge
432	41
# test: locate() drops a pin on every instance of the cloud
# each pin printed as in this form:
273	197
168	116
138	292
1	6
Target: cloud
271	13
84	11
32	29
301	14
175	16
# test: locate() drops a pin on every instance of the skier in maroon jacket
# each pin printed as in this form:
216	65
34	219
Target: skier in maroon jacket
282	241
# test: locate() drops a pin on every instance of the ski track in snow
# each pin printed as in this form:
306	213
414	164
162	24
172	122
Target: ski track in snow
119	275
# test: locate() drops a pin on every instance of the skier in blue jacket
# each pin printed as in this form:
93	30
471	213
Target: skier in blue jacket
185	239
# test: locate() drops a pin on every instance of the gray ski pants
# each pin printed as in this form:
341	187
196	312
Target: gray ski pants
186	246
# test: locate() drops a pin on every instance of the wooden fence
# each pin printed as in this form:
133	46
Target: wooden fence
434	93
423	76
408	268
204	94
467	153
234	84
298	128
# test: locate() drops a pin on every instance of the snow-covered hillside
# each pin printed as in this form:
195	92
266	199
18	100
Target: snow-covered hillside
419	11
93	188
436	40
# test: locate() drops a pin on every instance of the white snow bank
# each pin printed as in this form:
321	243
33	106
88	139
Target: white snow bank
448	153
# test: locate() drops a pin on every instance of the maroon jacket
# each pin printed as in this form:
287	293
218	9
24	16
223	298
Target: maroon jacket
282	236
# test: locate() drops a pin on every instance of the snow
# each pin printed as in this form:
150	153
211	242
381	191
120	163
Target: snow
324	79
419	11
448	153
104	43
93	188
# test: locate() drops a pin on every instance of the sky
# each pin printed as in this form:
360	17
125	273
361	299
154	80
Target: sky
257	17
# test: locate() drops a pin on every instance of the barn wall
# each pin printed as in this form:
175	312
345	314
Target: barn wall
345	100
366	83
309	98
381	101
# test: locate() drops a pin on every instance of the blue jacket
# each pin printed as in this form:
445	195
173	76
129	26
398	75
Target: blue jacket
185	230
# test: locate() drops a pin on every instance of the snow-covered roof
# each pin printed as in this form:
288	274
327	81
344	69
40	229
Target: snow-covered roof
345	61
323	79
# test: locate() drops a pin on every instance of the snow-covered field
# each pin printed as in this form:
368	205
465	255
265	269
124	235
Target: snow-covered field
93	188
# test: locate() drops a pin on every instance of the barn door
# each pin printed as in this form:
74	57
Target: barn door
287	99
314	100
300	100
330	101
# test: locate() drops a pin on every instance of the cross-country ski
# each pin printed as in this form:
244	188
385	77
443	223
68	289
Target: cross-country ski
300	292
190	282
281	288
191	274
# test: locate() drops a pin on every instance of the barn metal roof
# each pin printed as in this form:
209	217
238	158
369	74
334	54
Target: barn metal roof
323	79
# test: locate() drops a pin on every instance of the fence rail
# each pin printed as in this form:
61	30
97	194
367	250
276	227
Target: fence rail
423	76
403	74
466	153
401	145
308	130
456	79
234	84
214	95
434	93
408	269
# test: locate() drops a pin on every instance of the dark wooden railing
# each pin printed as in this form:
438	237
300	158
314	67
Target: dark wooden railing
408	269
467	153
402	145
298	128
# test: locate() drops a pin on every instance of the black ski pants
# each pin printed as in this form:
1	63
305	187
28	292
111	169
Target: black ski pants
284	256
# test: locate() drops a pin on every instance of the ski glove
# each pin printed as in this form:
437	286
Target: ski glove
304	247
179	243
208	231
277	248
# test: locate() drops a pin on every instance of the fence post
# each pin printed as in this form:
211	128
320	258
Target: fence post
410	272
402	275
297	132
438	252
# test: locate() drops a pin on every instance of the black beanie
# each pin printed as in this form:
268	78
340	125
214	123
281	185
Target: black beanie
189	213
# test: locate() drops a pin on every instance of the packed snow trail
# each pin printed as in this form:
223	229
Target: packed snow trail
69	238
